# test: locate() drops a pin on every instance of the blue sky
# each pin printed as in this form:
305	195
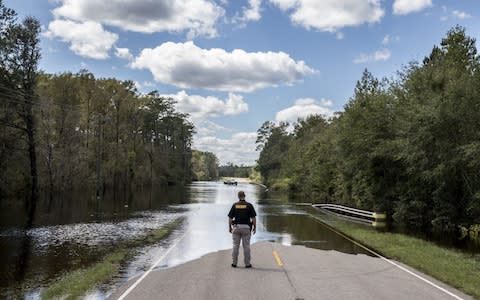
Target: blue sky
234	64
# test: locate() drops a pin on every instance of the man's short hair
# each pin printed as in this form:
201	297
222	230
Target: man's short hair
241	195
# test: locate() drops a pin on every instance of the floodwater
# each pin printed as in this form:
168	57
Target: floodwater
73	232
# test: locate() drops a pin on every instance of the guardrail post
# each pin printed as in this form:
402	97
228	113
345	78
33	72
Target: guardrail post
379	219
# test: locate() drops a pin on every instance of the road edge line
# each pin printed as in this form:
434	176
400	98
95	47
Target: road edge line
137	282
390	262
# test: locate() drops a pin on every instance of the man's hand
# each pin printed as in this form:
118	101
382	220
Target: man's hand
254	230
230	229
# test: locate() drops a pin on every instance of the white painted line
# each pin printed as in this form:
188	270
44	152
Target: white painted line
390	262
421	278
133	286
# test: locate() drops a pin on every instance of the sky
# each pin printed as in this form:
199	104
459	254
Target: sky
233	64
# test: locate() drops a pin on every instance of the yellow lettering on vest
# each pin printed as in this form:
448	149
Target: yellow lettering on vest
240	206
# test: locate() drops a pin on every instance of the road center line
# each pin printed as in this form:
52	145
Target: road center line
277	258
387	260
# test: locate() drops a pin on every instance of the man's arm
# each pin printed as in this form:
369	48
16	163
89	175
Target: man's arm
231	214
254	225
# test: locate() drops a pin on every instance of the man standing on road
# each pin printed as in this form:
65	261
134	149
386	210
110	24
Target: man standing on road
241	223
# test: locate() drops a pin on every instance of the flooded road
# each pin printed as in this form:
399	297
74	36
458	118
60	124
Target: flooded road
71	233
206	228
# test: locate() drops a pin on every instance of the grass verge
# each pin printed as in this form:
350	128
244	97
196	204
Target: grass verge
75	284
458	269
160	233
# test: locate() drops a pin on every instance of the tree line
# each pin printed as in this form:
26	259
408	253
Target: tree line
204	166
232	170
409	146
66	131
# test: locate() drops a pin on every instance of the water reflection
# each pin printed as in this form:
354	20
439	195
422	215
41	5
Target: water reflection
72	232
305	230
206	230
207	227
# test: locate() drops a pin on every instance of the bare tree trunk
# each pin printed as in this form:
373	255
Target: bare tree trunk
30	126
50	169
117	144
150	155
99	156
88	121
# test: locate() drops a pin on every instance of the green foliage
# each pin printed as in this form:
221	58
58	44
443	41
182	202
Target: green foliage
204	165
472	233
409	146
167	138
67	130
19	58
231	170
255	176
274	142
281	184
102	133
439	133
309	156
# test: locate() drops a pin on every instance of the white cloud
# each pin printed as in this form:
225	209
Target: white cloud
187	66
376	56
238	149
196	17
340	36
404	7
200	107
138	85
144	84
386	40
123	53
148	84
331	15
87	39
389	39
460	14
205	127
250	13
303	108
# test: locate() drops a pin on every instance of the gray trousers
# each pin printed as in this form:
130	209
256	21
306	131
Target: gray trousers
241	232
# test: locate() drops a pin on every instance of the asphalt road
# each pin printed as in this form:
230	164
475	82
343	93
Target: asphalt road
286	272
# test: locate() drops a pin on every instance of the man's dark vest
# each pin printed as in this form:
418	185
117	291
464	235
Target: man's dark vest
241	212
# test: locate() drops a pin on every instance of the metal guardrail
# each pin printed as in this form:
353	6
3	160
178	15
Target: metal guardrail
353	214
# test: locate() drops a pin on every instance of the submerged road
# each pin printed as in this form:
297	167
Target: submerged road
286	272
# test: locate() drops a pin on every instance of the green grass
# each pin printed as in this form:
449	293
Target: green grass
160	233
458	269
75	284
